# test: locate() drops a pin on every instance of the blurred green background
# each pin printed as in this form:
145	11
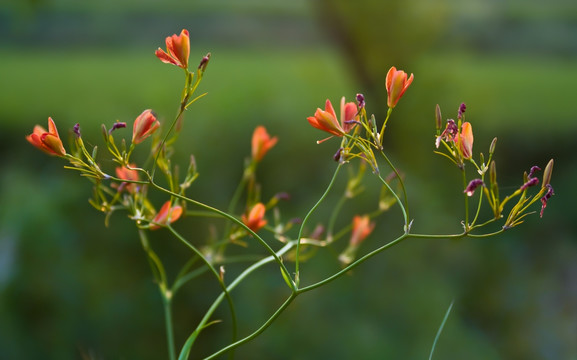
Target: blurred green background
69	286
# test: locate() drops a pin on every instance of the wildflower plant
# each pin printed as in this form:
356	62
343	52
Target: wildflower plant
250	218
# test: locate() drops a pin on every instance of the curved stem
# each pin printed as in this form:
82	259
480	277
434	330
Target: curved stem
353	264
257	332
297	263
216	274
227	216
230	287
405	207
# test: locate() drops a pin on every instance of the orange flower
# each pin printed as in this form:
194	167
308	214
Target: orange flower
178	47
125	173
47	141
362	227
465	140
326	120
144	126
261	143
166	215
255	219
396	84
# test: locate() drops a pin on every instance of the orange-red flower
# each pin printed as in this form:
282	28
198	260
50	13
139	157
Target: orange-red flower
362	227
326	120
465	140
255	219
144	126
125	173
261	143
178	47
166	215
396	84
47	141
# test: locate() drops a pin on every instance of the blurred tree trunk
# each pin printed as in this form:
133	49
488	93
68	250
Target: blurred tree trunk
377	34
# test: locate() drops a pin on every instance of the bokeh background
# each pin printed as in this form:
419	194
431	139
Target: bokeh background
71	288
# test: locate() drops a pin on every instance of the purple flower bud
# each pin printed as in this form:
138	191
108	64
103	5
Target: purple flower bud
473	184
283	196
532	171
546	197
462	109
117	125
337	155
204	62
76	130
531	182
361	100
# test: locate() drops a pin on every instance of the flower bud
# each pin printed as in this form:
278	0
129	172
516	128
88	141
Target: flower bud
396	84
204	62
493	174
492	147
438	118
547	173
144	126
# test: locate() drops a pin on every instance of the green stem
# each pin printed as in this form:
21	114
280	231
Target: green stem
353	264
167	302
297	263
227	216
263	327
215	273
389	111
405	207
229	288
466	200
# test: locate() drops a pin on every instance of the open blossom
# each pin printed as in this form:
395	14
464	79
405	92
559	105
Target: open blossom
178	47
326	120
255	219
362	227
166	215
261	143
465	141
396	84
144	126
47	141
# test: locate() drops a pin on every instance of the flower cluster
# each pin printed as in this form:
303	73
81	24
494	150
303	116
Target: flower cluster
249	217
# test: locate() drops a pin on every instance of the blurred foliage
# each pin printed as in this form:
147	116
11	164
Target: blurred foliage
70	286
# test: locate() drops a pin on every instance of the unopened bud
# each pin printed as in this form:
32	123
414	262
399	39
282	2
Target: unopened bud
462	109
493	173
204	62
76	130
361	100
438	118
531	182
547	173
492	147
117	125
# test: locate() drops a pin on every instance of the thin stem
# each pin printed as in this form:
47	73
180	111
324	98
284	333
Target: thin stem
389	111
257	332
167	302
405	207
297	263
353	264
230	287
215	273
466	200
227	216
